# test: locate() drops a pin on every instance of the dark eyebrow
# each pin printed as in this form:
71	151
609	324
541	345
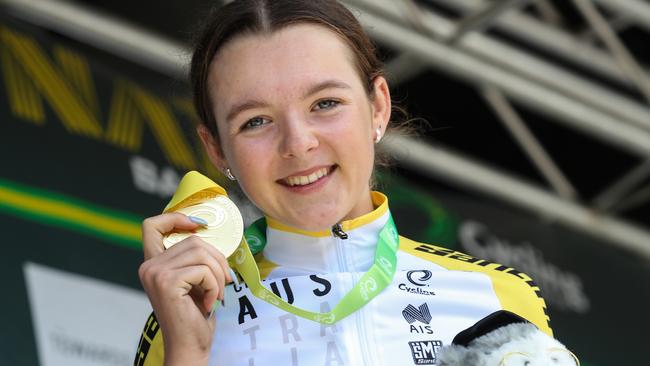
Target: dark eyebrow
327	84
238	108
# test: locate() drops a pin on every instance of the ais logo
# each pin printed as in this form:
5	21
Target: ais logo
420	315
425	352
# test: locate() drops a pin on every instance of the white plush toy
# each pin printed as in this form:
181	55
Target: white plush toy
505	339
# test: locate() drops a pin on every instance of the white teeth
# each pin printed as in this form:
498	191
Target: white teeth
306	179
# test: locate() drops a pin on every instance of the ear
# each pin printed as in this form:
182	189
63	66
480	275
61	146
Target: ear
212	146
381	104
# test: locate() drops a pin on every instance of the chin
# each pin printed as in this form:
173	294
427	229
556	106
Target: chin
317	222
314	225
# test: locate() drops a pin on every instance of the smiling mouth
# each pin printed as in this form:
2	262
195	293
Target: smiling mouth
303	180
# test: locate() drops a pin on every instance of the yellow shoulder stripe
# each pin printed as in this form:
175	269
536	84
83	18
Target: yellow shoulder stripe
517	292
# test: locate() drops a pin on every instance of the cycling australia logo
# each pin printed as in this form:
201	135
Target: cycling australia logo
425	352
418	283
418	318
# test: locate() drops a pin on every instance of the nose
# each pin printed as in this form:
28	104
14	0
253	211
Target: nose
298	137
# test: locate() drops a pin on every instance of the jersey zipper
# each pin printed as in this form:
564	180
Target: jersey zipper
362	341
337	230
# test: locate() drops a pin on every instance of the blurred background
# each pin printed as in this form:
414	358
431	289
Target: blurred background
534	153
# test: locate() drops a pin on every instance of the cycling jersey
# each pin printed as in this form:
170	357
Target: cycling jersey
435	294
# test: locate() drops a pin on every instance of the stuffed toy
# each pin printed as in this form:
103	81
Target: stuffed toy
505	339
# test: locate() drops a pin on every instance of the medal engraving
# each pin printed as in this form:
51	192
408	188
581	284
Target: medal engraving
225	225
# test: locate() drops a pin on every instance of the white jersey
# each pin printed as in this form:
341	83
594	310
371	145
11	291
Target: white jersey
435	294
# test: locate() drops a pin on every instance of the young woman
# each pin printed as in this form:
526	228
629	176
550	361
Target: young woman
294	101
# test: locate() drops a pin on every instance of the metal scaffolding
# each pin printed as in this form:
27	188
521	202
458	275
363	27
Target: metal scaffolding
503	73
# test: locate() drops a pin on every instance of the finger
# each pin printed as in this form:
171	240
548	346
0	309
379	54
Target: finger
225	273
154	228
194	251
202	278
190	252
203	300
212	320
193	243
225	267
210	301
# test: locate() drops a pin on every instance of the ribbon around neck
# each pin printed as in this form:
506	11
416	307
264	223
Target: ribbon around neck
195	188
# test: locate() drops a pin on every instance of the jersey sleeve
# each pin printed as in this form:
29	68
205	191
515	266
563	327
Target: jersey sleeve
516	291
150	349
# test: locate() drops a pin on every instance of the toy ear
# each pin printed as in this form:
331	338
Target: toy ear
484	326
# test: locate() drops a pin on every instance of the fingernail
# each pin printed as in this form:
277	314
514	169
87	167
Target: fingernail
215	307
234	277
210	313
198	220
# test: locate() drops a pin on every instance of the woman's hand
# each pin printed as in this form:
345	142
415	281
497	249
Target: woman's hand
182	283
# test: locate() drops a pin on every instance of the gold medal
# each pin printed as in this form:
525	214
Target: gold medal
225	224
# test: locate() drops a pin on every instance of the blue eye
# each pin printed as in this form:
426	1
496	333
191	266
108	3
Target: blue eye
326	104
255	122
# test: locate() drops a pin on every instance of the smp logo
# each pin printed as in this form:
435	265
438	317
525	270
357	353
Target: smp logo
418	278
421	315
425	352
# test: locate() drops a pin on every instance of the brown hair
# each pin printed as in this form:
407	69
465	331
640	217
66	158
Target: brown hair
242	17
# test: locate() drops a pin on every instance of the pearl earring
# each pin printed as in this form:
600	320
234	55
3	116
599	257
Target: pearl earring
378	134
229	174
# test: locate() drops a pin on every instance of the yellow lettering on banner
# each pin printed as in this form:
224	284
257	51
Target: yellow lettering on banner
132	106
124	123
77	72
21	91
44	79
66	83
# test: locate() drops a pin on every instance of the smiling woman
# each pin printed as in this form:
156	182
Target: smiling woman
293	102
298	114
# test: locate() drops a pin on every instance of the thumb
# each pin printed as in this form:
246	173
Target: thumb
154	228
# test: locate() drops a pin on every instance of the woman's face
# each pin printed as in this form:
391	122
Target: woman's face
296	126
